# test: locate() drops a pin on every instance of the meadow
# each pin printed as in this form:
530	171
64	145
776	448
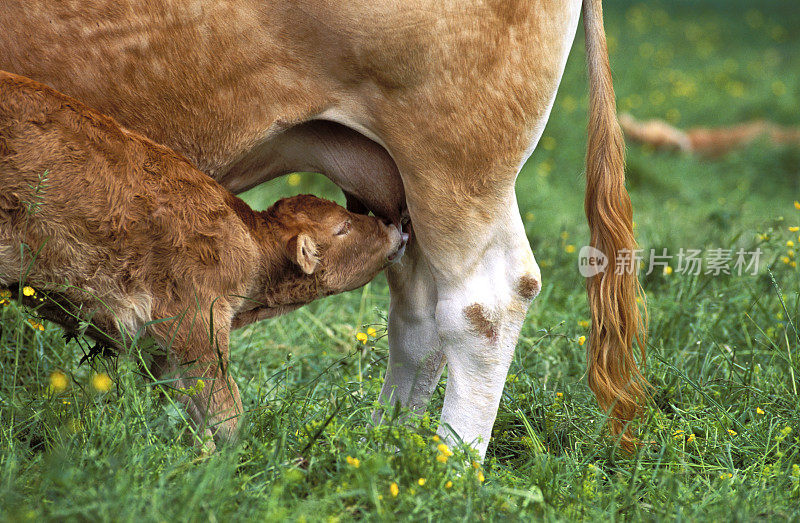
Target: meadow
721	437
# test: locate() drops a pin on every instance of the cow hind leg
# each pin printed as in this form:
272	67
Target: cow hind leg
479	313
462	302
415	357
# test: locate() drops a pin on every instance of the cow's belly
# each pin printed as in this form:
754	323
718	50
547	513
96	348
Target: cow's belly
359	166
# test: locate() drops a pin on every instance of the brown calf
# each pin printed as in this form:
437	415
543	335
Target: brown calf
118	231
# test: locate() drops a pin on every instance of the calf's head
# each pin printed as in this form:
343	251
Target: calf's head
340	250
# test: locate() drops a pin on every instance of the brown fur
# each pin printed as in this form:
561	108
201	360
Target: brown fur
216	81
617	324
528	287
480	321
120	231
705	141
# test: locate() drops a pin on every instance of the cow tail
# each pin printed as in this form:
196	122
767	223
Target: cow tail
618	325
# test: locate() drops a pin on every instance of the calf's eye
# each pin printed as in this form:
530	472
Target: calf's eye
343	229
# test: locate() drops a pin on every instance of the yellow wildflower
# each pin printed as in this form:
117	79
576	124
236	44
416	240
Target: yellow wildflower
481	478
444	449
394	489
450	483
101	382
796	204
36	325
569	103
732	432
58	381
372	332
794	229
581	340
435	437
691	438
727	475
421	482
792	264
678	434
476	465
673	115
570	248
564	235
441	458
362	337
790	243
28	291
584	324
293	179
667	270
759	411
353	462
785	259
559	394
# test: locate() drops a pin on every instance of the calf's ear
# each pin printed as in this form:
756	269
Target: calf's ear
304	252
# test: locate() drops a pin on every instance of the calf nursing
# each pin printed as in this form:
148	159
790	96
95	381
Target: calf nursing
125	235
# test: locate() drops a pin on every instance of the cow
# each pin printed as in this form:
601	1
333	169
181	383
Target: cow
118	237
444	99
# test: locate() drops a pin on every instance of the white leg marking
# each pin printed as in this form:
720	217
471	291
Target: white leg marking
479	316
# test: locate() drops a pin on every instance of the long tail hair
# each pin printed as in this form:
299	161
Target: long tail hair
618	326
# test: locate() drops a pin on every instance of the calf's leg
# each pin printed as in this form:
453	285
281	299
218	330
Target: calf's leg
198	363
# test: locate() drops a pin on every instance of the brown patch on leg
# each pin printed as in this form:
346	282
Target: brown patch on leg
528	287
478	316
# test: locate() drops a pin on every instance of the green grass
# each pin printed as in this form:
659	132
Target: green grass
724	354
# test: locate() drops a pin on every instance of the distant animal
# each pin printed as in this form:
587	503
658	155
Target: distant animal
705	141
429	107
118	233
